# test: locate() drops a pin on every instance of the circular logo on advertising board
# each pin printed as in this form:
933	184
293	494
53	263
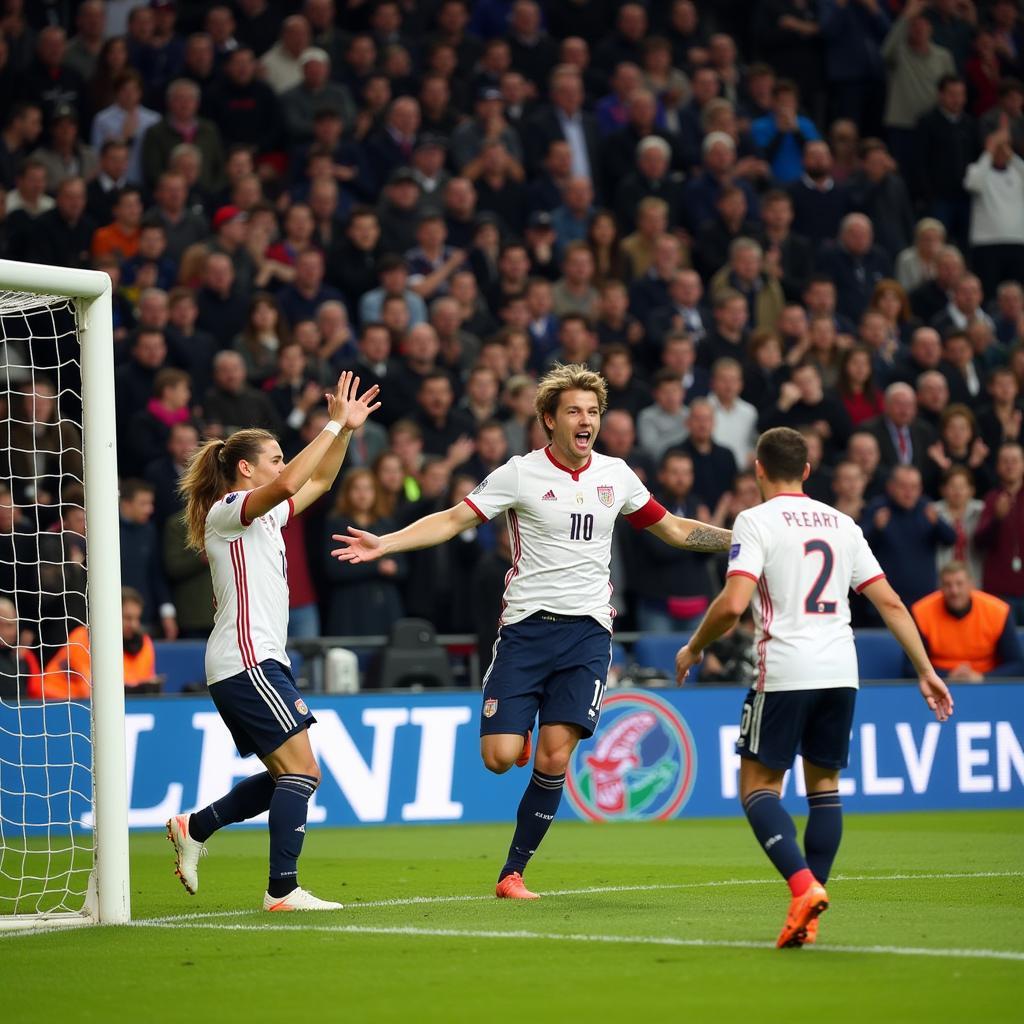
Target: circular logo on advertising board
640	765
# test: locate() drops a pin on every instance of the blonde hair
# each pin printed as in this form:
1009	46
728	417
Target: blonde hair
211	474
571	377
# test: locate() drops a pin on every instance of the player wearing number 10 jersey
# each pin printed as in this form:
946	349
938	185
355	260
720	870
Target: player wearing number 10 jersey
798	559
554	642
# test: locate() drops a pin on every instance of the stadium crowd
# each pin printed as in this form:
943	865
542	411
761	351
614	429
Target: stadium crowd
744	213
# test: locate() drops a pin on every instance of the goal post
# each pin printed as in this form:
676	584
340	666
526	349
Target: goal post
83	297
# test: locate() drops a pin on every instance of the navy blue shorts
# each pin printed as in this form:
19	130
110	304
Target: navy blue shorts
779	724
261	707
552	665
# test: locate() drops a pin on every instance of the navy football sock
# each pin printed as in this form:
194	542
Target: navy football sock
250	797
776	833
537	809
287	830
823	833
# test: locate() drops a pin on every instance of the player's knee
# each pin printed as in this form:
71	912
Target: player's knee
553	762
494	761
312	771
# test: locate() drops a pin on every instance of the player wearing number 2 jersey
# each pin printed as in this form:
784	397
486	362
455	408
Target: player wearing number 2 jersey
798	559
551	657
239	493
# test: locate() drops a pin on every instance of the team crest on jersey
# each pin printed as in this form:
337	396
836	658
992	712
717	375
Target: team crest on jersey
300	706
490	707
606	495
640	766
734	552
230	498
480	486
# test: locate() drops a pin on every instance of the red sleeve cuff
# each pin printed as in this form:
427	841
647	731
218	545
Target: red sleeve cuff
246	521
741	572
483	518
291	511
653	512
867	583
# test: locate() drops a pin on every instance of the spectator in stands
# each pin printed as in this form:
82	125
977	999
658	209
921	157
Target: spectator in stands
166	470
756	279
962	510
48	80
20	674
735	419
314	92
783	132
672	592
904	531
125	121
729	336
222	307
652	178
664	424
63	236
946	143
231	404
855	264
969	634
932	398
819	203
717	172
615	324
789	254
714	465
301	299
802	401
180	124
280	64
848	484
1000	533
996	186
915	66
244	108
121	236
150	428
860	397
917	263
368	601
625	391
21	132
853	34
902	438
141	559
565	119
1002	419
963	308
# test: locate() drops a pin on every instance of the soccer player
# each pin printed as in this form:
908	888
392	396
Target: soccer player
554	642
239	493
798	559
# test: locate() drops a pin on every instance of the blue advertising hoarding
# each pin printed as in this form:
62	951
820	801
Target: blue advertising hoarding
404	758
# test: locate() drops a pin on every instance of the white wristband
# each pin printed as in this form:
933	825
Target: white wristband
333	428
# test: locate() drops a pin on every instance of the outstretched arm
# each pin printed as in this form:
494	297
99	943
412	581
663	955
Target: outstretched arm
427	532
690	534
720	617
902	626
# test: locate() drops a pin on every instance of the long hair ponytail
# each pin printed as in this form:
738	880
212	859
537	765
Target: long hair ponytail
211	474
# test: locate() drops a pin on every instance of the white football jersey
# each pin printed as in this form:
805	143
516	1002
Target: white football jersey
560	525
250	586
805	556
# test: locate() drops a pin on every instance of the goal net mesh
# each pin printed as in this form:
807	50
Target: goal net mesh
47	842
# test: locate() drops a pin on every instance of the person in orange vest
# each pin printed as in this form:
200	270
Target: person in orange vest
970	635
68	674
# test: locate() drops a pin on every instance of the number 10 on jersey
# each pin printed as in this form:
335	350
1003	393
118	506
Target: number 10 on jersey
581	527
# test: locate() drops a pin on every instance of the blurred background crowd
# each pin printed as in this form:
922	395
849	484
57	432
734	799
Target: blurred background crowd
744	213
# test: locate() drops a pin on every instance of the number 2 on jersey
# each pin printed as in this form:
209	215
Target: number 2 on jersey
813	603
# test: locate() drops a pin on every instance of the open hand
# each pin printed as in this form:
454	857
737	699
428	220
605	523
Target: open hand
360	546
936	695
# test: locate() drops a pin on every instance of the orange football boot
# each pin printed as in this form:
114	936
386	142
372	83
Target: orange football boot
802	910
512	887
811	931
524	758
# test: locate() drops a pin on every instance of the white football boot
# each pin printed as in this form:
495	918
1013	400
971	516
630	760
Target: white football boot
187	852
298	899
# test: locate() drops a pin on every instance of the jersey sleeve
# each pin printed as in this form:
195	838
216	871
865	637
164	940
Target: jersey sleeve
746	555
865	566
640	508
496	493
225	517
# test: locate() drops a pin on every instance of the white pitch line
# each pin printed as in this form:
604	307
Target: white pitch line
414	901
633	940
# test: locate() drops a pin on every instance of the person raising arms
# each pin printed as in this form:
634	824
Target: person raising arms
239	493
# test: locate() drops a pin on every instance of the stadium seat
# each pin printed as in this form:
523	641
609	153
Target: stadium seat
413	658
181	663
879	655
658	650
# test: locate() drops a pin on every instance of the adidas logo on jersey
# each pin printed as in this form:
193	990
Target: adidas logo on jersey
550	496
302	829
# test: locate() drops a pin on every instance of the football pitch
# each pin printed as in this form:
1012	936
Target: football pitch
639	922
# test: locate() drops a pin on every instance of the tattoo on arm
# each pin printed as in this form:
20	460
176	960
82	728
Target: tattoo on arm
708	538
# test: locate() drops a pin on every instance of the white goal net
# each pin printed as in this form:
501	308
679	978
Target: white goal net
61	697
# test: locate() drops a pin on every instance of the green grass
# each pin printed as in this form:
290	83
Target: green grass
247	966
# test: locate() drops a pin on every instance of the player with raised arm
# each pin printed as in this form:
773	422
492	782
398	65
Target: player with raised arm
797	559
553	649
239	493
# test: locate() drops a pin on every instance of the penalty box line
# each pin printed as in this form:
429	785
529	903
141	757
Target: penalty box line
414	901
409	931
